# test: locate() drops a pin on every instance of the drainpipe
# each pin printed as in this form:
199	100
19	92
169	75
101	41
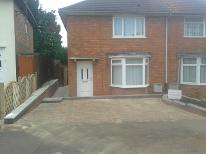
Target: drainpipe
166	52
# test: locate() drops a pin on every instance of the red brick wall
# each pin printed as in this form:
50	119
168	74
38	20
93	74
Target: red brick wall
91	36
178	44
24	41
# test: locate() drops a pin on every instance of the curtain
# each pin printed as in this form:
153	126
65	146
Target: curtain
134	61
134	75
190	61
203	74
129	26
117	75
118	26
189	73
146	74
194	29
140	27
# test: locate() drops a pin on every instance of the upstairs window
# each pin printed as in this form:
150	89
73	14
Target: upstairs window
128	27
194	70
195	27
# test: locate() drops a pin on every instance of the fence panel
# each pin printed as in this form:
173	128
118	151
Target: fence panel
15	93
2	113
9	105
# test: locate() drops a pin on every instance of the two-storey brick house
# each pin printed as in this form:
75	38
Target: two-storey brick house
119	47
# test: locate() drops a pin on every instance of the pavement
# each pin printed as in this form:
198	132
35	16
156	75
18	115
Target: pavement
106	126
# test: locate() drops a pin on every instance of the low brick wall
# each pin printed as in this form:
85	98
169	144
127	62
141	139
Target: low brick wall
198	92
46	90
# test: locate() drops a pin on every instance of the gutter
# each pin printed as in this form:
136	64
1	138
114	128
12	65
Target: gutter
27	12
31	14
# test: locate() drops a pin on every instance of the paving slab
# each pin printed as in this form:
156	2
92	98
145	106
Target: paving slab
107	126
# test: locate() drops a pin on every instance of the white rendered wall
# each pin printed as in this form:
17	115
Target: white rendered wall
7	38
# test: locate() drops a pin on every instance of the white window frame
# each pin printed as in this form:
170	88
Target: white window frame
123	64
135	30
198	65
204	28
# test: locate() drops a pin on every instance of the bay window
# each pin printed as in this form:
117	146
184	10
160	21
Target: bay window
193	70
195	27
128	27
130	72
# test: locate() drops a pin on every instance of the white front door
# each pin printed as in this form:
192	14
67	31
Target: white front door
84	78
2	65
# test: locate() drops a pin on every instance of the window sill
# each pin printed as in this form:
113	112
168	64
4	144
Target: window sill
130	87
195	37
135	37
193	84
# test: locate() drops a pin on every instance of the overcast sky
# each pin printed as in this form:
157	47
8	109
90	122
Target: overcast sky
55	5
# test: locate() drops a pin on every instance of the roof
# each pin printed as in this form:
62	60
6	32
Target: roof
151	7
140	7
26	10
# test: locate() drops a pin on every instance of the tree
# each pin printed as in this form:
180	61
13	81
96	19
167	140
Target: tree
62	55
47	38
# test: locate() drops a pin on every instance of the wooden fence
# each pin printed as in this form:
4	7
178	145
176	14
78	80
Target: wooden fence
15	93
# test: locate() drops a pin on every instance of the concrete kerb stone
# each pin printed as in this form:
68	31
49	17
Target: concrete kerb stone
60	99
185	106
46	90
115	97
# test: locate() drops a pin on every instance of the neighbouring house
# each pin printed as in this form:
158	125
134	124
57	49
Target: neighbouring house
16	40
126	47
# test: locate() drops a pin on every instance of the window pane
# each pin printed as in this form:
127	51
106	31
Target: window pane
189	60
116	61
146	74
117	26
193	19
147	61
117	75
129	26
134	61
194	29
189	74
140	26
134	75
203	60
203	74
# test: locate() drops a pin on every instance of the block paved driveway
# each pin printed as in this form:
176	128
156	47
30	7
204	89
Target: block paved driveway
119	126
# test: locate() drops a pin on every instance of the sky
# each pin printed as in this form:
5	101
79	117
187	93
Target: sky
55	5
